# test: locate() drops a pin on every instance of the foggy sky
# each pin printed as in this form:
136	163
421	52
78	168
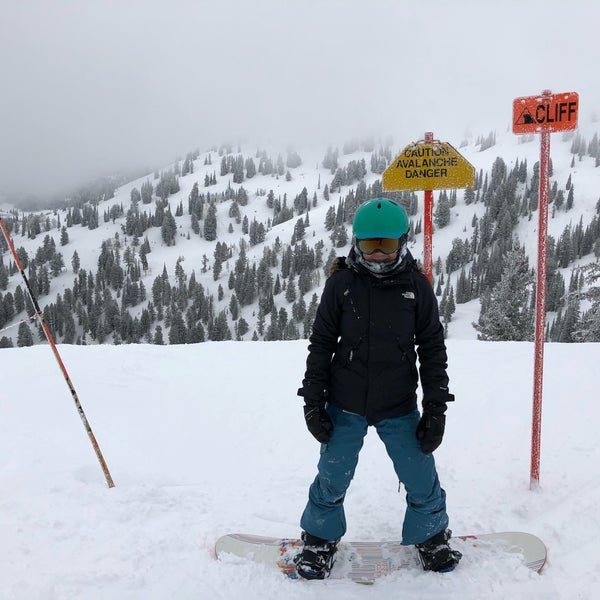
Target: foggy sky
89	87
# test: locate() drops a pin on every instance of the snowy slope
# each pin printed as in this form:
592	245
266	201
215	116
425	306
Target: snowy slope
207	439
585	178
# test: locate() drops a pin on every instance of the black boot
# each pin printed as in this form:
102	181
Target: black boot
436	554
317	557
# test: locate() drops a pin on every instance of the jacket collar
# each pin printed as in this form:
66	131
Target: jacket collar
407	263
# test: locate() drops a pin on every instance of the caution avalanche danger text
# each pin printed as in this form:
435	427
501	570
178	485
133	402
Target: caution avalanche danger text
428	166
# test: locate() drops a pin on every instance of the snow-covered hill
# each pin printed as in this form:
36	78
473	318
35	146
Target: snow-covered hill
209	438
196	255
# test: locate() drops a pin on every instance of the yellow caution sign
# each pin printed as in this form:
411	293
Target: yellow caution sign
429	166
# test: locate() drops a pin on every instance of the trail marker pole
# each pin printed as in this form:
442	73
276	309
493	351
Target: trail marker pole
63	369
540	311
542	114
428	224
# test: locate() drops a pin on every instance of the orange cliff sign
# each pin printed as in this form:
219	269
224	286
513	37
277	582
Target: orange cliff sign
545	113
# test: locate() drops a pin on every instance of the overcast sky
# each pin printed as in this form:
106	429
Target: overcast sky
94	86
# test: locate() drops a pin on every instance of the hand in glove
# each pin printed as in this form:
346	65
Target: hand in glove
430	431
318	422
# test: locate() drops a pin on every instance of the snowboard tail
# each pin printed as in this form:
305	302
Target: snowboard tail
365	562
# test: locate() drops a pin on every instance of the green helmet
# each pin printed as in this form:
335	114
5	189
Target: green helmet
380	218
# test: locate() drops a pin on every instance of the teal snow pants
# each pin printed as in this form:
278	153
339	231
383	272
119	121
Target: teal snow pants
426	501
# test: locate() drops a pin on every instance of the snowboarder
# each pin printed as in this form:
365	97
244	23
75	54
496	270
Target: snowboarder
377	313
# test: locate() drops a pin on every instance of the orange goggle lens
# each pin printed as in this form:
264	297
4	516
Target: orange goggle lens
385	245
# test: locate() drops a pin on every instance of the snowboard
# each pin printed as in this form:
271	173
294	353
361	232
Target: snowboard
365	562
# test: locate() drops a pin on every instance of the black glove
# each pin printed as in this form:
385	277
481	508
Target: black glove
430	431
318	422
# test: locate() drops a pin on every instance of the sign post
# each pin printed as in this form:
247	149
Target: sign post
428	224
542	114
428	165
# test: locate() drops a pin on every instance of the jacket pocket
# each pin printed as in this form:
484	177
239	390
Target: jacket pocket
409	357
351	353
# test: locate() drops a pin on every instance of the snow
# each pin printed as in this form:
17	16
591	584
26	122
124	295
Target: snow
192	248
206	439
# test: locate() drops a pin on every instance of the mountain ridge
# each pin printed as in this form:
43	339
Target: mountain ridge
310	188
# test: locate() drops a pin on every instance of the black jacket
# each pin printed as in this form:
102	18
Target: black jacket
362	354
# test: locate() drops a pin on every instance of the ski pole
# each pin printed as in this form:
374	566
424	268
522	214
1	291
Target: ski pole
50	339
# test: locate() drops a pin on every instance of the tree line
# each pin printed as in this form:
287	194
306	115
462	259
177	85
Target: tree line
267	298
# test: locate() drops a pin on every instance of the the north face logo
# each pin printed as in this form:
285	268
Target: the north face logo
409	295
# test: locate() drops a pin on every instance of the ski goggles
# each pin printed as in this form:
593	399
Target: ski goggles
384	245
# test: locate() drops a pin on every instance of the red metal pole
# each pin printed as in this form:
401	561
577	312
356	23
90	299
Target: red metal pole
428	225
540	308
428	235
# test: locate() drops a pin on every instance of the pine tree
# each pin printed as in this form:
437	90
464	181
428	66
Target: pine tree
588	326
178	331
330	218
24	336
570	198
442	212
56	264
4	276
210	223
238	169
6	342
220	330
234	307
569	321
508	316
299	230
469	196
250	168
158	336
291	291
146	192
463	288
273	331
341	236
169	229
19	300
64	236
309	318
242	327
217	268
299	310
450	307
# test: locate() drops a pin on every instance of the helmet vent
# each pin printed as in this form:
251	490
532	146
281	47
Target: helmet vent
379	205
